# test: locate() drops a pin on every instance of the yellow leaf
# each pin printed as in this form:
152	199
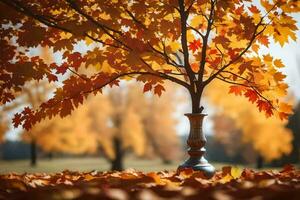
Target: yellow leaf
65	35
236	172
88	41
255	48
286	108
226	179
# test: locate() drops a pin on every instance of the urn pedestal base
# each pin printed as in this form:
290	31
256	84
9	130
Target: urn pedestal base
198	165
196	141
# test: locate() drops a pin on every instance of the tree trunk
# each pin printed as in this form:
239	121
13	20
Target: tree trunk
117	162
50	156
259	162
33	151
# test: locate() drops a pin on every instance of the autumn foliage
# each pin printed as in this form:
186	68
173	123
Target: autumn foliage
188	42
269	137
229	183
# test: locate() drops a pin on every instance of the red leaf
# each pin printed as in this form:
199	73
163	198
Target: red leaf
158	89
239	10
67	108
254	9
237	90
232	54
195	45
265	106
51	78
252	95
147	87
17	120
75	59
62	69
213	51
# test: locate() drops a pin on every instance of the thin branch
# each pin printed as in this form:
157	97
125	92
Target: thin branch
165	55
197	31
238	57
239	76
163	75
190	6
79	75
205	42
183	20
135	19
75	7
249	86
104	43
103	27
246	49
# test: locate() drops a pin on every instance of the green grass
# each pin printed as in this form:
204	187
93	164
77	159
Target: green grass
85	164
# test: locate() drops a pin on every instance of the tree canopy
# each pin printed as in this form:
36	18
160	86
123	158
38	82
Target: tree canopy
189	42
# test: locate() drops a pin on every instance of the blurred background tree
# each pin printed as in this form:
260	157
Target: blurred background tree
121	121
3	125
128	123
268	136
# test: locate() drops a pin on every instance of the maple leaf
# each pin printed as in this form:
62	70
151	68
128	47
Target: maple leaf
7	97
278	63
279	76
195	67
265	106
158	89
232	53
268	58
283	115
255	48
75	59
51	77
17	120
253	9
252	95
67	108
135	46
195	45
237	90
147	87
264	40
239	10
62	69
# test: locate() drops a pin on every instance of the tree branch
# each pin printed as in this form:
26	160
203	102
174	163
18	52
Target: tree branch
246	49
210	22
239	56
249	86
184	44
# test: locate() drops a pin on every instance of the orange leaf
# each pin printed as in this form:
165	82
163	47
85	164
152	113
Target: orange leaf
278	63
253	9
264	40
195	67
237	89
252	95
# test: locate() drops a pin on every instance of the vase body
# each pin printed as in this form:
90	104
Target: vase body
196	142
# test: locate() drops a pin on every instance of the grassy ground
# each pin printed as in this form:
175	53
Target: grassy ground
84	164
